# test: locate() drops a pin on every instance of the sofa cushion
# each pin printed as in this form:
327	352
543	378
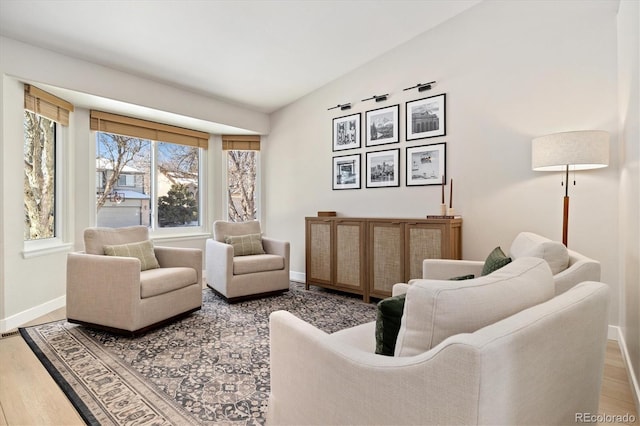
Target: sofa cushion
96	238
258	263
154	282
245	245
388	321
142	251
437	309
528	244
496	260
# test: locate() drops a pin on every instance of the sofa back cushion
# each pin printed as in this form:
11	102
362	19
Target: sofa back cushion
435	310
96	238
222	228
528	244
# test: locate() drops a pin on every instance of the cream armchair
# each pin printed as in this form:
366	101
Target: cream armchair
497	350
238	277
112	293
568	267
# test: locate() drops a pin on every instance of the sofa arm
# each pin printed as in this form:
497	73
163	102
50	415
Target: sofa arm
582	270
219	264
443	269
102	289
398	289
172	257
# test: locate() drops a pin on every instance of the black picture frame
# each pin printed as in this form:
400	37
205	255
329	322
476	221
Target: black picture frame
426	164
382	126
346	132
347	172
426	117
383	168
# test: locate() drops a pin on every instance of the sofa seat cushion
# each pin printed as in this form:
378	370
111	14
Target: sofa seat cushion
437	309
154	282
257	263
528	244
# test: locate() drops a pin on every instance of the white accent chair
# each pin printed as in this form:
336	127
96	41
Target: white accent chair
499	350
238	278
569	267
113	294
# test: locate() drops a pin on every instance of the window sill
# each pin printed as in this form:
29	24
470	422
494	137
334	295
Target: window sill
180	237
45	250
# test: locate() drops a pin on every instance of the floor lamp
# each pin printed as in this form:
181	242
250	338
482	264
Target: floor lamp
570	151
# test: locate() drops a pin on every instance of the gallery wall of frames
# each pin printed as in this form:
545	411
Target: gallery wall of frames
368	147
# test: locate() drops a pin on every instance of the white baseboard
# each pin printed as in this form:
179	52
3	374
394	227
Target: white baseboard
613	332
633	380
299	277
15	321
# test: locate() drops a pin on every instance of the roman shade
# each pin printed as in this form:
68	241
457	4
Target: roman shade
47	105
241	142
144	129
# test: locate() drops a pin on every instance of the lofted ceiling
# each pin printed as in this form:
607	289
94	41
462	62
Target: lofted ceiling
259	54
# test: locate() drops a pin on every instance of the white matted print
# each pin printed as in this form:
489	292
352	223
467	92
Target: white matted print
426	165
346	132
382	125
383	168
346	172
426	117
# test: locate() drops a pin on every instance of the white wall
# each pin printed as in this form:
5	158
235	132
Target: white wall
511	71
629	111
33	286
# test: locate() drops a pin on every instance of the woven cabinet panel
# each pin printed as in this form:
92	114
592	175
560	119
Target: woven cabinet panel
348	255
424	243
387	258
320	243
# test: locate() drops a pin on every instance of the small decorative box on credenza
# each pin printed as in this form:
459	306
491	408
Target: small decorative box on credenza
367	256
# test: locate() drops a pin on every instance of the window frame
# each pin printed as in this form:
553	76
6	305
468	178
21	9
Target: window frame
155	231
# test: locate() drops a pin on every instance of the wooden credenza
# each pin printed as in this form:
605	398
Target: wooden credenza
367	256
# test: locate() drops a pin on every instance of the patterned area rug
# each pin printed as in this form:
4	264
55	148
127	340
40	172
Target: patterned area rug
210	368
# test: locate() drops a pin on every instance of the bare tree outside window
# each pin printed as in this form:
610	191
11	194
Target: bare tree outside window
39	177
241	180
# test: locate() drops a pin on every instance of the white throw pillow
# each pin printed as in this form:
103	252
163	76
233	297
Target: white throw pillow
436	309
528	244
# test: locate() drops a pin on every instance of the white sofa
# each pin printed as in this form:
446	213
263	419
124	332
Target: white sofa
569	267
515	354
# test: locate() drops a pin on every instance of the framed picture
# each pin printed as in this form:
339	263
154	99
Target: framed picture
426	165
383	168
346	172
346	132
382	126
426	117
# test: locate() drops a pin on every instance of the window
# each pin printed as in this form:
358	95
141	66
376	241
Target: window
39	177
143	180
242	176
43	115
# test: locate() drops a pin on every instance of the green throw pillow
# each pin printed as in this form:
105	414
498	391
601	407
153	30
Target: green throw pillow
245	245
496	260
388	324
463	277
142	251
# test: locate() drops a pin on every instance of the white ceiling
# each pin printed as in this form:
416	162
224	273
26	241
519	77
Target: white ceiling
260	54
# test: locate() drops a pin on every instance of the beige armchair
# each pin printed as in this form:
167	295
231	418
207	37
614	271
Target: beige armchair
111	292
237	277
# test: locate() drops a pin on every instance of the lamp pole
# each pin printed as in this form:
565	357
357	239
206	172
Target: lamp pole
565	212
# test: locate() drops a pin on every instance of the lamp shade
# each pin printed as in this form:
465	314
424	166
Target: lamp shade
582	150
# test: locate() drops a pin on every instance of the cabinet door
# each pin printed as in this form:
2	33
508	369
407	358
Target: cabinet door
318	256
350	260
386	257
424	241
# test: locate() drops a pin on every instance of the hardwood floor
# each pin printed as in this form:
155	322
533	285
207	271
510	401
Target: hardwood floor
29	396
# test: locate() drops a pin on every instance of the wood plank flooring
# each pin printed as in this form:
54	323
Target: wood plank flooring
29	396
